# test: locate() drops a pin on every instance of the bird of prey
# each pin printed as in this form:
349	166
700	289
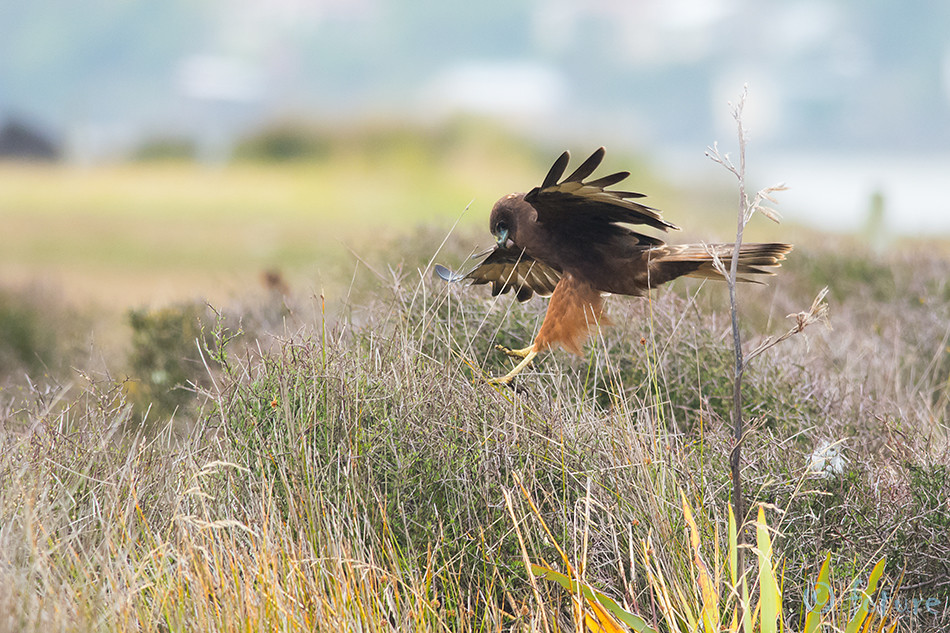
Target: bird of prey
569	239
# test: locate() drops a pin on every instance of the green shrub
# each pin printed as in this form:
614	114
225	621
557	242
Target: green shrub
284	141
166	149
40	337
164	363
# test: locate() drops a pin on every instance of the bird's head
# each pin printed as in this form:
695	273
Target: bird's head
505	217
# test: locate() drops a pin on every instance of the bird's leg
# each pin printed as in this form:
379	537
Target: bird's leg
515	353
529	354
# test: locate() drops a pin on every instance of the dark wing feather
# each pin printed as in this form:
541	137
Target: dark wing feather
509	269
556	171
573	201
613	179
587	167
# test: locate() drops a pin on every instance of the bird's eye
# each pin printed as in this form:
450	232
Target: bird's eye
501	227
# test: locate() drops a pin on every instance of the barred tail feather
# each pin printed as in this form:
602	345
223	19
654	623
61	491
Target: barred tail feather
698	260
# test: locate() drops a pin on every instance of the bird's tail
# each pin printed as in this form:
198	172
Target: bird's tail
698	260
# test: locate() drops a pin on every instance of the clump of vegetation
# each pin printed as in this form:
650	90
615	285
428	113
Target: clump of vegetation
720	599
167	149
299	140
284	141
165	364
39	335
25	342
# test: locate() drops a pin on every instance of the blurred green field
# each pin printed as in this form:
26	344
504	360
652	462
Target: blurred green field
152	233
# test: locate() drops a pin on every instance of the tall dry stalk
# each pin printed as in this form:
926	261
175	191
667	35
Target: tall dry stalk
747	207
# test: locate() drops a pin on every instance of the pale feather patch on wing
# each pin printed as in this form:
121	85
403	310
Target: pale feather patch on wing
448	275
507	269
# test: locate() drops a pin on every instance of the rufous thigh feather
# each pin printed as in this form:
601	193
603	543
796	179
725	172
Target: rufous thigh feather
575	308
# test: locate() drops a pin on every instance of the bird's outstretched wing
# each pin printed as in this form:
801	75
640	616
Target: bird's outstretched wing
574	201
508	269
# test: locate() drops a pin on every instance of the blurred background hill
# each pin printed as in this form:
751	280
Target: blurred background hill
827	75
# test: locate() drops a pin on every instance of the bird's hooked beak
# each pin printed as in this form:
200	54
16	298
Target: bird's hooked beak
502	238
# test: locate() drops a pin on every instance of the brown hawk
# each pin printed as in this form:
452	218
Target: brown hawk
567	239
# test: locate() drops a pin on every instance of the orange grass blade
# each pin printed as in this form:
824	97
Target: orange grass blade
709	615
605	623
574	587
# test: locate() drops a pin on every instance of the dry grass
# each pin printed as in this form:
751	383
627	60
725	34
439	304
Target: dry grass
350	474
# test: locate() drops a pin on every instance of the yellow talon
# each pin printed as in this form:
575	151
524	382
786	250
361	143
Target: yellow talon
526	355
514	353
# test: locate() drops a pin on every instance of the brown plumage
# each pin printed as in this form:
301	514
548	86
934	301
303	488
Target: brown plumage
568	239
